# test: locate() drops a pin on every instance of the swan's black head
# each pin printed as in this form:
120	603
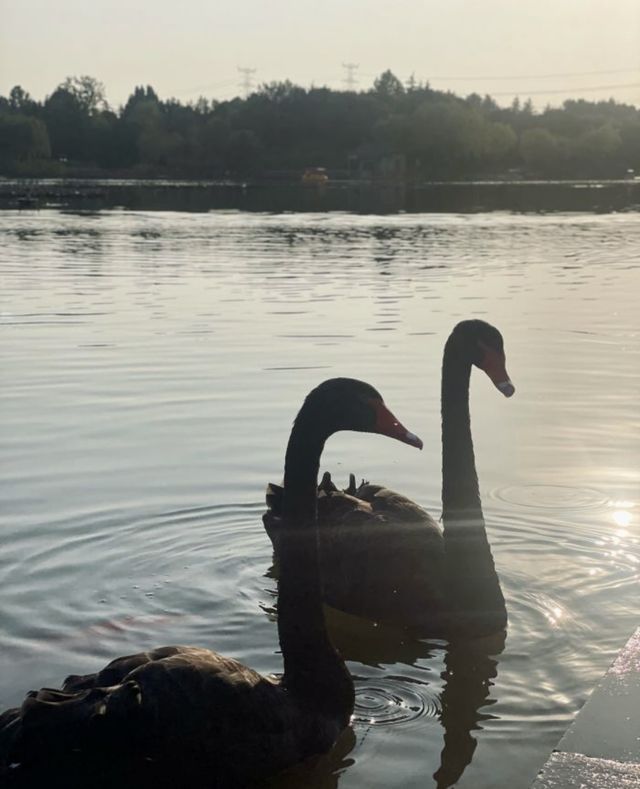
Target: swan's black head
348	404
483	346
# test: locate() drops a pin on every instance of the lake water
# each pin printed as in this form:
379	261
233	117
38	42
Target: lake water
152	364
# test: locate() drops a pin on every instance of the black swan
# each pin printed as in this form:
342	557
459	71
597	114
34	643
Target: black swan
384	557
195	711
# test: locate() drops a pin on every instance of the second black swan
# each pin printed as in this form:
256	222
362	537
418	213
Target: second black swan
384	557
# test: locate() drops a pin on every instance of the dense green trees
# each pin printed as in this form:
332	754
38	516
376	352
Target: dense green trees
23	139
391	130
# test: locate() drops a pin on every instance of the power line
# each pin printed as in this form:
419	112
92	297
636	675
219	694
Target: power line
512	77
350	79
589	89
475	77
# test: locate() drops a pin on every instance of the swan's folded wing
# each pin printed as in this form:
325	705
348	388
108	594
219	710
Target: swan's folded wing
395	507
337	508
383	560
182	704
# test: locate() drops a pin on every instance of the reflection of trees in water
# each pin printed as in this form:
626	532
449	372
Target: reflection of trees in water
379	197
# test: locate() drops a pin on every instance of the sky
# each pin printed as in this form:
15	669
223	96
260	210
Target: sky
548	50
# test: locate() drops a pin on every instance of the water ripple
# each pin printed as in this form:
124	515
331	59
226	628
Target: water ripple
391	700
551	496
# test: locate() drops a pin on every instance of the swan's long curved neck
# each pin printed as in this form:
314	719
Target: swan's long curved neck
460	490
313	670
473	588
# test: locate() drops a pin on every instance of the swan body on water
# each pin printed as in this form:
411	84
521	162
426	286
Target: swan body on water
186	716
383	557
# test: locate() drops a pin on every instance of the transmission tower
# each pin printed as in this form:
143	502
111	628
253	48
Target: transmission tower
350	79
247	79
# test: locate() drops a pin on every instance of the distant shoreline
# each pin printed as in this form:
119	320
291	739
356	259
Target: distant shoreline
340	195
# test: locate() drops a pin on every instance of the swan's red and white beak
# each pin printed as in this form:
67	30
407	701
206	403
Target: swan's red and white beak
388	425
494	365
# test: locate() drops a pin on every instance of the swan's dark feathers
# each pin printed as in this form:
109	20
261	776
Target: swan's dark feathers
275	493
273	497
394	506
351	488
326	484
333	504
380	503
372	527
136	706
383	530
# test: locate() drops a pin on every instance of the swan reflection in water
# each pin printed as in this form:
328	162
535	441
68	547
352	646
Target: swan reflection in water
469	673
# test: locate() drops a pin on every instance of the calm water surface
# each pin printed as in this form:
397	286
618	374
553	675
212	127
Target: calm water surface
151	367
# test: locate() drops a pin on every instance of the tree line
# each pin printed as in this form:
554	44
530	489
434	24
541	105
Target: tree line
394	130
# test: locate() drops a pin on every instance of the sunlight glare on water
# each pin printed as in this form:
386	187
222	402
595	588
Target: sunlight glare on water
152	366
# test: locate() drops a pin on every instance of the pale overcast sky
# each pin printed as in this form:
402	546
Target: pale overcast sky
546	49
